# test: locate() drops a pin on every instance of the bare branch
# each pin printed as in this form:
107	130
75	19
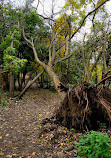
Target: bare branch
79	68
83	22
37	4
34	50
103	80
50	55
99	55
86	18
46	18
65	58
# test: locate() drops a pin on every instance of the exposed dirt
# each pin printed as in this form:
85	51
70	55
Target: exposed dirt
20	127
23	136
85	107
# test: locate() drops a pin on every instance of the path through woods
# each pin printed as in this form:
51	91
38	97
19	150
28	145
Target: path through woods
23	136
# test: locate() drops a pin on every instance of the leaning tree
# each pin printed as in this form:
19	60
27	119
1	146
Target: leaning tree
53	50
84	106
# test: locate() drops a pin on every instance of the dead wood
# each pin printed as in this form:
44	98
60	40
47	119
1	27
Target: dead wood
29	84
103	80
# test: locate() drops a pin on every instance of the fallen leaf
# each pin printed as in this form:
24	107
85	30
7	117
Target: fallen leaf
1	154
15	120
0	137
2	119
61	144
33	153
64	127
33	142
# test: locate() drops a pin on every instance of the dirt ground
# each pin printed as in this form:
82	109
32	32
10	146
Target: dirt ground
20	128
22	133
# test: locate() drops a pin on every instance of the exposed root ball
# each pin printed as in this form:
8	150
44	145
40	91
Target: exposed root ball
85	107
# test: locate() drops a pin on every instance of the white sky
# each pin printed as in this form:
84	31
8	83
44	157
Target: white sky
46	5
58	5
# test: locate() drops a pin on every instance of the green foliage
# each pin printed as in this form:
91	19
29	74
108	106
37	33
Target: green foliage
17	62
6	42
5	45
94	145
10	52
92	82
71	85
31	21
3	103
101	125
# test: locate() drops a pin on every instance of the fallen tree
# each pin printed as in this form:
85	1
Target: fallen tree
84	107
54	50
28	85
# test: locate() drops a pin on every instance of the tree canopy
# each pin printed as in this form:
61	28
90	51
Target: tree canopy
31	42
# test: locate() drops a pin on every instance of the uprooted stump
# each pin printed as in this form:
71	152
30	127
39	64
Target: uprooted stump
85	107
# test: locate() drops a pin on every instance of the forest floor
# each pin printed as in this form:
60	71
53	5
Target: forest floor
21	131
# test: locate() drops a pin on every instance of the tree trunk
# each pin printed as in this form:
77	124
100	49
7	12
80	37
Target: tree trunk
48	67
69	50
29	84
55	80
11	84
11	89
87	73
52	55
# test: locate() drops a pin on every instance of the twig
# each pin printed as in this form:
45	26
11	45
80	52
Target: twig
63	59
106	74
103	80
83	22
63	87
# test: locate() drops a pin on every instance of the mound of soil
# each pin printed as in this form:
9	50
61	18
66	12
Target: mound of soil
85	107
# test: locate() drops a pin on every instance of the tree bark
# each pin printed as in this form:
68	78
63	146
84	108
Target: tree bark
97	59
69	50
55	80
48	67
11	83
11	89
29	84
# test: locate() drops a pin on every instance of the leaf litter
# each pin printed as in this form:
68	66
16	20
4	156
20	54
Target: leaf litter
22	135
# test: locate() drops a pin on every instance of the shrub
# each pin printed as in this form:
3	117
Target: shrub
94	145
3	103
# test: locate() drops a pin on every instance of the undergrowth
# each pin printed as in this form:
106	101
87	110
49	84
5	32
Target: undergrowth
94	145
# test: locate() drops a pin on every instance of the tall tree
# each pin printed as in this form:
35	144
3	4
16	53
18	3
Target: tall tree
53	52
